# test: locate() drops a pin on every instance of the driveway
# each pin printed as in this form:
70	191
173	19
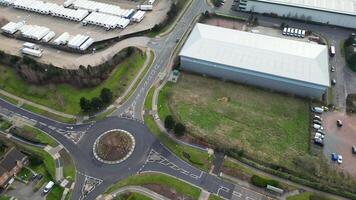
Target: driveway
24	192
340	140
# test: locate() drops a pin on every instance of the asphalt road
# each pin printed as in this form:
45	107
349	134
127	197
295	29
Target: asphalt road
79	139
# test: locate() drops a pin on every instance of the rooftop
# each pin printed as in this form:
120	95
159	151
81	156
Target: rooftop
10	159
338	6
279	57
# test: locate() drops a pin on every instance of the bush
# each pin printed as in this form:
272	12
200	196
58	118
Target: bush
169	122
179	129
106	96
262	182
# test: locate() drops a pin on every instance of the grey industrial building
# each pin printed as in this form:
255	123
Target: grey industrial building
334	12
278	64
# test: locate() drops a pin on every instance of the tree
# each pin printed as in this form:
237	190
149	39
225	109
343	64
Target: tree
96	104
106	96
179	129
85	104
169	122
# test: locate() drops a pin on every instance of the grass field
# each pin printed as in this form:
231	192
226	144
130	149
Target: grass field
303	196
61	97
268	126
68	165
38	136
55	193
132	196
160	179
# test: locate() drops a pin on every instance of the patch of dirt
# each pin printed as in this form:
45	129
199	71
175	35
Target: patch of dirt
166	191
114	146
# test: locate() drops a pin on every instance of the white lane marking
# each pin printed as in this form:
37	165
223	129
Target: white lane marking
238	194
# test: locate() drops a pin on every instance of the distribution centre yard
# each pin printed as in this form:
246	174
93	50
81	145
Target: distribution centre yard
268	126
64	97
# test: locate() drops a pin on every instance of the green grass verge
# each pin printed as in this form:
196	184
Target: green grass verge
60	97
214	197
198	158
48	114
40	136
303	196
267	126
160	179
142	75
48	161
4	124
8	99
4	197
55	193
68	165
132	196
148	101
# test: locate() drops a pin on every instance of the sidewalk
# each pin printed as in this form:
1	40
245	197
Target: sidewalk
36	105
136	189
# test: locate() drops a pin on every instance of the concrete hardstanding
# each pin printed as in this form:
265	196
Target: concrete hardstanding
326	17
253	78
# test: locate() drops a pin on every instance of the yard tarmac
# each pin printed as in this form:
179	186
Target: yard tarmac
340	140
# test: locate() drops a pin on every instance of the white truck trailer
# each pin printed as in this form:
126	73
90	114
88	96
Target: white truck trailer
32	52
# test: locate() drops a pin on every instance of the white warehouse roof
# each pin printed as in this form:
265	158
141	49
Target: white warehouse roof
337	6
274	56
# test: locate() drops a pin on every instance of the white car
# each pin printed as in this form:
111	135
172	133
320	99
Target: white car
319	135
339	159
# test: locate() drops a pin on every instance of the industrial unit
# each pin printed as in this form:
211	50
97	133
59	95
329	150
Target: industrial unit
283	65
334	12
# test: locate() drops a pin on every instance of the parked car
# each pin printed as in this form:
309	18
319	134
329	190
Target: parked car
319	135
333	82
318	141
317	117
353	149
339	123
317	110
321	132
318	127
317	121
332	69
334	157
48	187
339	159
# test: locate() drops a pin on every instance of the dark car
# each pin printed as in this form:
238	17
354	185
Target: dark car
334	157
316	122
339	123
354	149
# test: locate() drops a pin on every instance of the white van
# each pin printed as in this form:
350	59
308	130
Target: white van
288	31
48	187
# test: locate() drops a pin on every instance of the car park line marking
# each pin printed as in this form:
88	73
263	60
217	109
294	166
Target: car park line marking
238	194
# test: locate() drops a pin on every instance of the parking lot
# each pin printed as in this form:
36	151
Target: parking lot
340	140
22	191
58	25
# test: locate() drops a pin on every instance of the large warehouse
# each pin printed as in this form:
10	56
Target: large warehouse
284	65
335	12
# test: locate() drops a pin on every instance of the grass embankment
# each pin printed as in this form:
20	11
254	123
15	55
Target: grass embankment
55	193
132	196
308	196
267	126
34	135
48	114
158	179
68	165
64	97
198	158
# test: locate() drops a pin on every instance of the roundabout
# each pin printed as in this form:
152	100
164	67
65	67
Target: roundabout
114	146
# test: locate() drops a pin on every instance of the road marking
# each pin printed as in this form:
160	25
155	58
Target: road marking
238	194
249	198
